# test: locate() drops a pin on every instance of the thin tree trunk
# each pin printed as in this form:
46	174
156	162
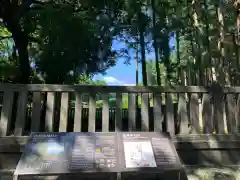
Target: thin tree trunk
137	65
196	79
137	83
166	53
236	49
143	56
221	50
235	36
179	74
165	45
193	65
209	78
155	44
197	35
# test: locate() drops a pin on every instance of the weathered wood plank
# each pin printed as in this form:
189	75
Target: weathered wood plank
145	112
110	89
231	109
210	144
218	110
237	114
9	160
21	112
64	112
105	113
182	114
118	118
194	114
6	113
188	138
49	112
207	114
132	112
36	112
157	112
207	145
78	113
11	144
169	115
92	113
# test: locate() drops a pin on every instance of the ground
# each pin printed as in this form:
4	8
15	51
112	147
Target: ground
224	173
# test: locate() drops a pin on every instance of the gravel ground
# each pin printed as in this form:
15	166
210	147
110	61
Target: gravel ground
221	173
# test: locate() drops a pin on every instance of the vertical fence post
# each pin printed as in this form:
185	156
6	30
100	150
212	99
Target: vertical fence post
92	113
170	114
218	108
105	113
131	112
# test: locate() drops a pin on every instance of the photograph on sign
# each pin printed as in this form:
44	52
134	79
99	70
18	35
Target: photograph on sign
139	154
44	153
51	151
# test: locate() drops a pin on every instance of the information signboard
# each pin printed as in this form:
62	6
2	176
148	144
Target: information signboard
148	151
63	153
121	152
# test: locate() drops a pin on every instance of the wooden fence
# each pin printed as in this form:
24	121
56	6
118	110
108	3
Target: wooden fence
84	120
203	121
46	108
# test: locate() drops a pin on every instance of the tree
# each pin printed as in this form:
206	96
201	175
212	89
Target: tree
41	36
156	52
12	14
46	28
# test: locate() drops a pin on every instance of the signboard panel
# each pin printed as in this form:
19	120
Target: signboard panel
148	151
63	153
67	153
94	152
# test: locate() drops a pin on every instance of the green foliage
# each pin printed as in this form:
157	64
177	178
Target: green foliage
7	62
70	41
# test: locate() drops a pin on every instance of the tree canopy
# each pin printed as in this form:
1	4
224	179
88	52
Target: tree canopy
65	42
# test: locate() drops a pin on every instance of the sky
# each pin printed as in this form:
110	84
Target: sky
122	74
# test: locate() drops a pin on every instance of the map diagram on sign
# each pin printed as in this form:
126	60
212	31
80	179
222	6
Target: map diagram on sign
139	154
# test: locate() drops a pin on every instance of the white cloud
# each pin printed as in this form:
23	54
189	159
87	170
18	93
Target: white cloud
129	84
112	81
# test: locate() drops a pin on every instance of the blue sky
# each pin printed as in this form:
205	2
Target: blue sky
122	74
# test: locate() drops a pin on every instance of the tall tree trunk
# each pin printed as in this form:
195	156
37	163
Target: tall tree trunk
143	56
179	73
236	49
21	42
10	12
192	37
155	43
209	77
137	60
137	65
222	73
197	30
166	53
196	78
235	39
165	49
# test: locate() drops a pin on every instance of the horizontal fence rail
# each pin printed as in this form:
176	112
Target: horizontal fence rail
60	108
203	121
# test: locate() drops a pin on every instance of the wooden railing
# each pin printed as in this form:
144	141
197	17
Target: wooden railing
199	109
201	120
